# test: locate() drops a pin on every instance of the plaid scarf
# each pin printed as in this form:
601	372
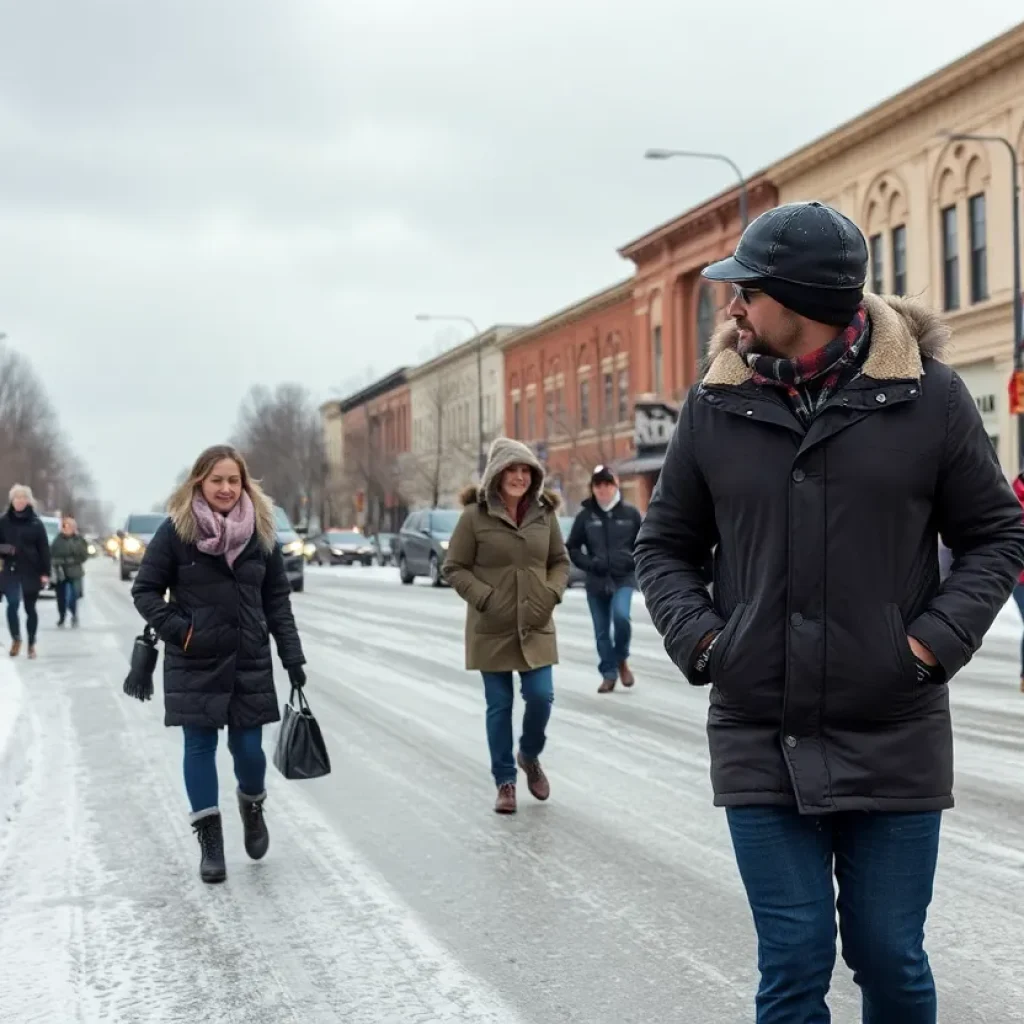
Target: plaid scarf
810	380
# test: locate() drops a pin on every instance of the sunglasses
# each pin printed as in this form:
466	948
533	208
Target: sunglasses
744	294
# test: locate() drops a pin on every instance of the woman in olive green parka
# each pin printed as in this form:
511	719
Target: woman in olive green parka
507	561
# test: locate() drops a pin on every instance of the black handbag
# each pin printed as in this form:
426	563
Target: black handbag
139	682
300	752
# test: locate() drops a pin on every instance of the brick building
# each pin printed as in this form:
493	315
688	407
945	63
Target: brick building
376	433
568	388
675	314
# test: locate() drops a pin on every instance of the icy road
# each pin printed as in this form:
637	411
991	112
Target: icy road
391	892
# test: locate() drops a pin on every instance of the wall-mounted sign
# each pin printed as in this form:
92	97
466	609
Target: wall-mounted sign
653	424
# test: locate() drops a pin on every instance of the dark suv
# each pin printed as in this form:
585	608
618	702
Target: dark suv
423	543
137	533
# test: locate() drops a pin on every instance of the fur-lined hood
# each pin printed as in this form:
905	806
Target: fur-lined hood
184	519
505	452
903	333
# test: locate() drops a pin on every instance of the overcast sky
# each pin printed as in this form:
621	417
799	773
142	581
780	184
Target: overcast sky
200	195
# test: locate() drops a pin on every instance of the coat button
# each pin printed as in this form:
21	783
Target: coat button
799	475
797	619
791	742
880	398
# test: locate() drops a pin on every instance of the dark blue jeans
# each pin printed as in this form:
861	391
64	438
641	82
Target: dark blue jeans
15	595
67	599
246	746
1018	596
612	629
538	691
884	864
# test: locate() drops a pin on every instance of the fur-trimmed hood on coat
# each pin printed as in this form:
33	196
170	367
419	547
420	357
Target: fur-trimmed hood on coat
185	526
505	452
903	333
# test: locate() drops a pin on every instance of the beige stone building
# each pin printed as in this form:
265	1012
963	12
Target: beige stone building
937	211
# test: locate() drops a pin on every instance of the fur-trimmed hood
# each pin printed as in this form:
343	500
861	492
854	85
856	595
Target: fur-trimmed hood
505	452
903	333
184	519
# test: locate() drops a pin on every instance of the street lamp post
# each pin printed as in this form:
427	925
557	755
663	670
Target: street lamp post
1018	311
481	455
669	154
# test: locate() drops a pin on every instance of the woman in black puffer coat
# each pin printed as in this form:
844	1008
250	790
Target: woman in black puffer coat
24	565
218	556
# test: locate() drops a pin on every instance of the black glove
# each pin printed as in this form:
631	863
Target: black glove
297	676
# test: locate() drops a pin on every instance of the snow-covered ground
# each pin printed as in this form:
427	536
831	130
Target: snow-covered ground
391	892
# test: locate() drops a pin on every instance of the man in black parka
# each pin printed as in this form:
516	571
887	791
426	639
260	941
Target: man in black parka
824	452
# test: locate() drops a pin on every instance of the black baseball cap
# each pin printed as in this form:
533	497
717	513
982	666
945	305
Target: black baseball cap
807	244
602	475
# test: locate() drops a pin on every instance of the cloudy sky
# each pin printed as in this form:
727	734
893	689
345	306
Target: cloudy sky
200	195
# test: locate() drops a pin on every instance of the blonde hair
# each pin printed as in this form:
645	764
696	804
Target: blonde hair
24	490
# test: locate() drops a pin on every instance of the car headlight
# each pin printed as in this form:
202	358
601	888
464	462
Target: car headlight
366	551
132	546
293	547
444	545
309	550
92	550
336	551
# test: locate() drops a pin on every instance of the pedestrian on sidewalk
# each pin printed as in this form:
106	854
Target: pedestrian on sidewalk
25	553
507	561
218	557
68	556
824	451
1018	590
601	544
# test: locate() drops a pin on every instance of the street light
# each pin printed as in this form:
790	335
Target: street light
1018	312
481	455
669	154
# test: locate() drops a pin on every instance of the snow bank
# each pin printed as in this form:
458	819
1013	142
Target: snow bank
14	739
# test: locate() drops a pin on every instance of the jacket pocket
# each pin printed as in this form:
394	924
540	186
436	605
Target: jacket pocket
499	615
540	604
725	646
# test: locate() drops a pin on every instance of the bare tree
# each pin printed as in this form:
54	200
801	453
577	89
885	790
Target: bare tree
279	432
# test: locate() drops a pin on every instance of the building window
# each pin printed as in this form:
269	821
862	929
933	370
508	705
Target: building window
516	419
560	411
584	404
877	264
979	248
705	324
657	374
531	418
899	260
623	394
549	414
950	260
608	398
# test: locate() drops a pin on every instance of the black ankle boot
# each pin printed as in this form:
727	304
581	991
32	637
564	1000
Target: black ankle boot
210	832
257	838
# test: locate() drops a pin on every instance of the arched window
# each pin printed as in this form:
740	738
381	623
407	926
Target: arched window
705	323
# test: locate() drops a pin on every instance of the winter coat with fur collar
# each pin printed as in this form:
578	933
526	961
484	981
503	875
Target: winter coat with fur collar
825	562
217	622
510	575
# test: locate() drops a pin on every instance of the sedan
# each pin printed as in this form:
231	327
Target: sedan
343	547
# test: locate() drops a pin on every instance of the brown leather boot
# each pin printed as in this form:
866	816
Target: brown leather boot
607	685
535	777
506	802
625	674
15	648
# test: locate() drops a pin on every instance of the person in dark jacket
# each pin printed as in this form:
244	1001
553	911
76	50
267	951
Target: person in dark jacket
601	544
218	558
820	457
25	554
68	556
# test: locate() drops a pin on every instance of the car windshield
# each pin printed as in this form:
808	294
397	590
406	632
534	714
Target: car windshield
345	537
52	527
145	524
444	520
281	521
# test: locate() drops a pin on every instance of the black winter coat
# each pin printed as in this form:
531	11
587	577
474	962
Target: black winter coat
225	677
24	550
827	561
601	544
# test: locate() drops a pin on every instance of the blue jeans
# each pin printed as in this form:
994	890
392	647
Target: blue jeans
67	599
610	612
538	691
246	746
884	864
1018	596
15	595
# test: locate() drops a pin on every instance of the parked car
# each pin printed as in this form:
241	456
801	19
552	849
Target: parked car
384	547
343	547
292	546
577	577
138	531
423	543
